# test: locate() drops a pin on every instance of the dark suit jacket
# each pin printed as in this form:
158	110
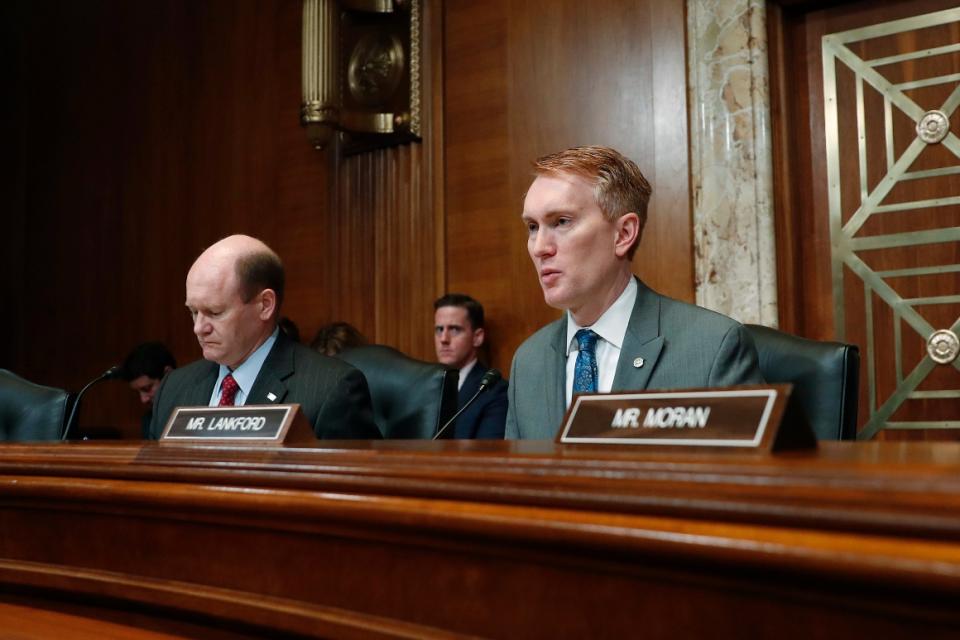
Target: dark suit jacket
668	345
485	418
332	395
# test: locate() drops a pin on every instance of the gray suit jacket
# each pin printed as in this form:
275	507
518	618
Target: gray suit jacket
332	394
682	345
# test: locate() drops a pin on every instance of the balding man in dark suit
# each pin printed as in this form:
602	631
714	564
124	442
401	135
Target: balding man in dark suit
234	292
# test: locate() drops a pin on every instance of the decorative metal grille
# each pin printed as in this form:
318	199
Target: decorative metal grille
847	239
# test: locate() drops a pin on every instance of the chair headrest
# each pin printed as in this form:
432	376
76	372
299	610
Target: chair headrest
825	376
30	411
411	398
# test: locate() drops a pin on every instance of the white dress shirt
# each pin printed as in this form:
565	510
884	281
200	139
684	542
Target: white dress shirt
611	327
465	372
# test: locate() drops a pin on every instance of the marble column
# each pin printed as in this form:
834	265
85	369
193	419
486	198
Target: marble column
730	159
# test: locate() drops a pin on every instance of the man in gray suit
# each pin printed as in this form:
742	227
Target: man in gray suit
585	213
234	292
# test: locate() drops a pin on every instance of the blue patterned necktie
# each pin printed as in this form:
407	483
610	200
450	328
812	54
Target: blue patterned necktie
585	371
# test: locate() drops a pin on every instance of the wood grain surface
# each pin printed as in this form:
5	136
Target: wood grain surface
491	539
524	79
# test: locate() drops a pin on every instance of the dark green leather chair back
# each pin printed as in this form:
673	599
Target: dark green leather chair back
411	399
30	412
825	377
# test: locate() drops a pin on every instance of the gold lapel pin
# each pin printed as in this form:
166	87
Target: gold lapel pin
637	363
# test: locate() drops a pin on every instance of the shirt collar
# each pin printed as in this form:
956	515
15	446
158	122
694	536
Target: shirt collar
465	371
246	374
612	325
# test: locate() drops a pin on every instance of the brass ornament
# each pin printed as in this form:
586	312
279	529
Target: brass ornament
361	73
841	56
943	346
375	68
314	111
933	126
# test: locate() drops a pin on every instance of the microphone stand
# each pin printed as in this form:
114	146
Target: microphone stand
112	372
489	379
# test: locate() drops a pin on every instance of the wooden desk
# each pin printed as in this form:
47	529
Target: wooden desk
494	539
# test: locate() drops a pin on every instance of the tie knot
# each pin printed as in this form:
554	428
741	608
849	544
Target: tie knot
586	339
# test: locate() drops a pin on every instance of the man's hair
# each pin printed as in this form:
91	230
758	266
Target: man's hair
474	308
259	270
333	338
619	186
147	359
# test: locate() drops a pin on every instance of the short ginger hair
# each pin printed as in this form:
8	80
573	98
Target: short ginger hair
619	186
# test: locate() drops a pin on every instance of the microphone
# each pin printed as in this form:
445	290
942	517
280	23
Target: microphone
111	373
490	378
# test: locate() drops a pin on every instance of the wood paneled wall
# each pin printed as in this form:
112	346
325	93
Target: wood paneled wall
803	233
523	79
148	131
144	132
388	248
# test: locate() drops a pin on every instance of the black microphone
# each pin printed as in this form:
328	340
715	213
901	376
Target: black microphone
111	373
490	378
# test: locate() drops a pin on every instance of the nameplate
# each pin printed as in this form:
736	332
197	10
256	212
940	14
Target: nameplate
248	424
734	418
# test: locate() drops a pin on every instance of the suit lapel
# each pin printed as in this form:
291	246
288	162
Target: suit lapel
269	387
555	374
201	387
471	384
642	341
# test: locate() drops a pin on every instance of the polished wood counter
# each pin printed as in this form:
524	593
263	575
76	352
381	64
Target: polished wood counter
491	539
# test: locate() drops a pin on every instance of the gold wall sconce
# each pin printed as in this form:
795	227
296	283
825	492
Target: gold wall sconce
361	72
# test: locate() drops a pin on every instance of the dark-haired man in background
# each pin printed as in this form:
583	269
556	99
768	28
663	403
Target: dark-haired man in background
143	369
234	292
458	334
584	215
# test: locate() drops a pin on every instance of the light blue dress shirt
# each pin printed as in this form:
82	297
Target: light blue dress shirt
246	374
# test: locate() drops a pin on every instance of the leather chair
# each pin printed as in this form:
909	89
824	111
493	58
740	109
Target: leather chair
30	412
411	398
825	377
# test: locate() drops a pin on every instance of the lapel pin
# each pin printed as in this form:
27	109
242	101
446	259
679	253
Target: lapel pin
637	363
271	396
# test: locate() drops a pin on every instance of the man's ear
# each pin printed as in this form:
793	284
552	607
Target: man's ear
268	303
628	228
478	336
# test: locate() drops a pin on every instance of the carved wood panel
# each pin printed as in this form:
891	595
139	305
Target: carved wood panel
868	212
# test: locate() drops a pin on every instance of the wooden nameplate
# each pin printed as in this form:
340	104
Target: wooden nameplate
743	417
267	424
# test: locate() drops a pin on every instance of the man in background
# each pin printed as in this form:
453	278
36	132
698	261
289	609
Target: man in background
458	335
234	293
143	369
584	214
